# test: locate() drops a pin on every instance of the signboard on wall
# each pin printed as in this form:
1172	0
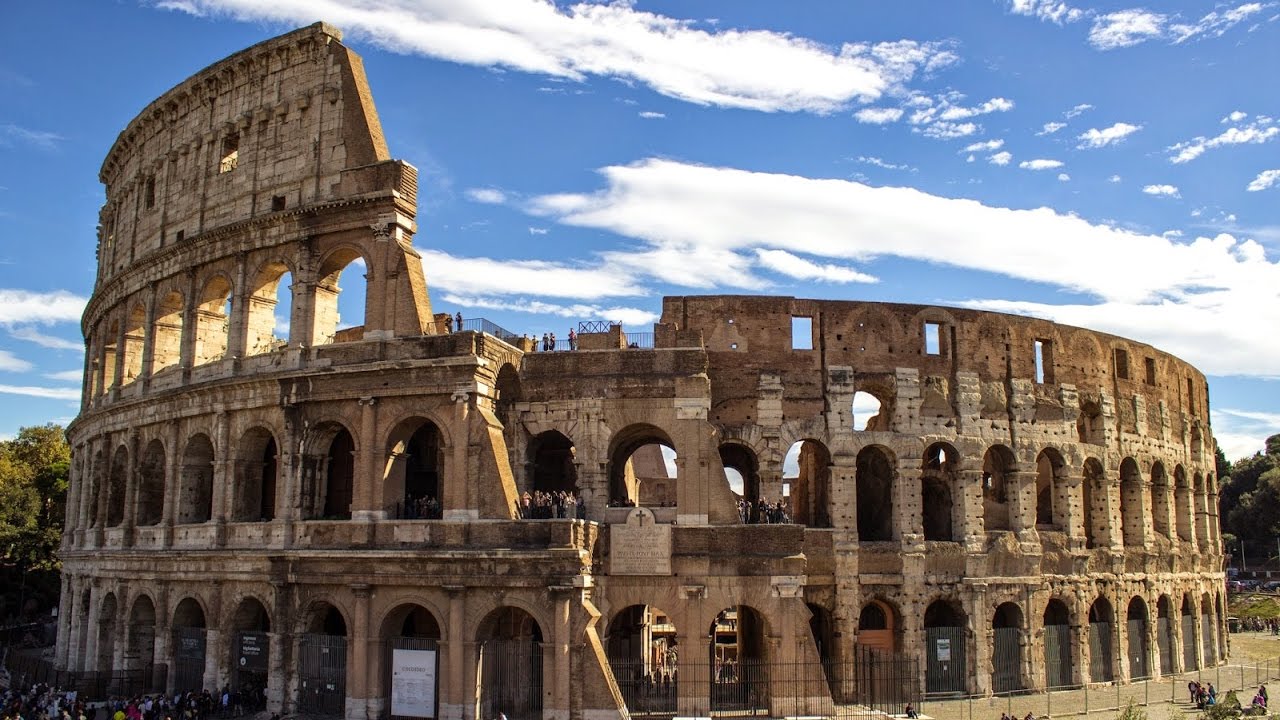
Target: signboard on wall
944	649
413	683
254	651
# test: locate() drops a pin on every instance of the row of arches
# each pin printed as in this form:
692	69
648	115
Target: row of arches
212	319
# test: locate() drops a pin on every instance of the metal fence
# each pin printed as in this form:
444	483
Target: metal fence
484	326
322	675
511	679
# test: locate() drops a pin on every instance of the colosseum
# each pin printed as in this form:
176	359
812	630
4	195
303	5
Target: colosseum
336	517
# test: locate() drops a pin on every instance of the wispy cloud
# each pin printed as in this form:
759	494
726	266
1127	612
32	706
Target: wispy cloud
1162	190
1095	138
1265	179
42	392
878	115
12	363
1040	164
651	115
1001	158
1241	433
26	307
66	376
1051	128
479	277
1127	28
11	134
1262	129
1077	110
879	162
781	261
1050	10
751	69
984	146
623	315
488	196
32	335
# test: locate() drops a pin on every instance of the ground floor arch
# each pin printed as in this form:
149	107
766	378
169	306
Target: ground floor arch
510	657
1101	621
739	661
945	648
190	639
250	649
644	650
411	639
1007	643
322	662
140	646
1058	666
1136	630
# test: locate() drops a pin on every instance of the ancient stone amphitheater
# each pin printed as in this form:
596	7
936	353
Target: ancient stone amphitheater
331	516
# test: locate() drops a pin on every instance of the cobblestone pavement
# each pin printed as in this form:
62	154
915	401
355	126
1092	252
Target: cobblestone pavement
1257	661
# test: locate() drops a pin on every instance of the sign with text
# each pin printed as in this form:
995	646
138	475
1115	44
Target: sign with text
413	683
642	546
254	651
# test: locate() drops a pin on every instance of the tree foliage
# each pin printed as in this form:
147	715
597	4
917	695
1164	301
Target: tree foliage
1249	499
33	492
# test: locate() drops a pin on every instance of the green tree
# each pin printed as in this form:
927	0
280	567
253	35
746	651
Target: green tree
1249	499
33	492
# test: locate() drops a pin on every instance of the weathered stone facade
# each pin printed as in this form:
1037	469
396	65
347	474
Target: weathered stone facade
1023	480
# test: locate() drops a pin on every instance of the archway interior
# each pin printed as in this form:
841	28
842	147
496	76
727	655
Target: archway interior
742	469
997	512
107	635
510	672
737	658
1160	500
1100	647
1057	644
251	652
823	630
340	296
1049	467
423	465
110	347
1006	626
643	652
340	476
551	462
867	414
151	485
270	306
188	645
1095	512
213	317
195	496
166	333
937	478
1182	500
140	649
1131	510
874	495
876	627
945	648
258	471
135	328
643	468
116	487
806	483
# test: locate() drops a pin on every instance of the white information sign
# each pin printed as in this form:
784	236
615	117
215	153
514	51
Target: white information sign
413	683
944	649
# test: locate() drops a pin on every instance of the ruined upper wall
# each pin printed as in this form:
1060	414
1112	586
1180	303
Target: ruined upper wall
266	130
748	335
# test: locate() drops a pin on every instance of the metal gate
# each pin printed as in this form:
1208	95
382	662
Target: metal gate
647	690
322	674
877	679
1100	652
1164	640
1137	631
1007	660
426	697
1057	655
944	670
511	679
1189	643
739	688
1206	634
188	659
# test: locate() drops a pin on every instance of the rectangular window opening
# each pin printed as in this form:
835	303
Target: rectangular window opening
801	333
1122	364
1151	371
1191	396
181	234
149	194
932	339
277	203
230	154
1039	361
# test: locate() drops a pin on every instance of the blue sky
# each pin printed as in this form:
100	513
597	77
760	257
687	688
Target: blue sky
1109	165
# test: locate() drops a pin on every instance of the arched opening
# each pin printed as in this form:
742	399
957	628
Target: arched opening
85	612
250	649
875	495
105	662
998	492
110	355
166	333
270	305
1207	634
1139	666
1201	514
1100	652
742	473
822	627
1093	486
213	314
1186	518
806	480
189	645
415	468
1057	645
868	413
1160	500
151	485
507	387
1131	506
1220	625
510	673
322	662
1190	657
937	501
739	674
944	630
257	471
551	463
1164	633
1052	490
878	627
333	302
642	468
643	653
135	330
1089	425
412	662
340	478
117	484
140	646
1006	659
195	491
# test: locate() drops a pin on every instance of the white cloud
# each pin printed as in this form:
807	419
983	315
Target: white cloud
651	115
1078	110
538	230
1040	164
878	116
623	315
1235	117
488	196
42	392
1162	190
1051	128
1203	299
956	112
1265	179
1053	11
1001	158
1215	24
26	307
1114	179
12	363
1095	138
66	376
751	69
1063	177
878	162
984	146
11	134
1241	433
30	334
939	117
1126	28
488	276
1261	130
790	265
949	130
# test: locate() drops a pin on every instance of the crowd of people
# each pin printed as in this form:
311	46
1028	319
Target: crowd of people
42	702
1202	695
763	512
1253	624
422	508
563	504
1003	716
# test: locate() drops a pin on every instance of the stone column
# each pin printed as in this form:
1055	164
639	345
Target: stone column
148	338
214	652
691	664
453	696
89	661
172	472
131	490
237	337
456	497
980	625
908	520
562	632
969	521
367	504
1023	513
358	654
187	352
1115	518
280	641
224	485
65	602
